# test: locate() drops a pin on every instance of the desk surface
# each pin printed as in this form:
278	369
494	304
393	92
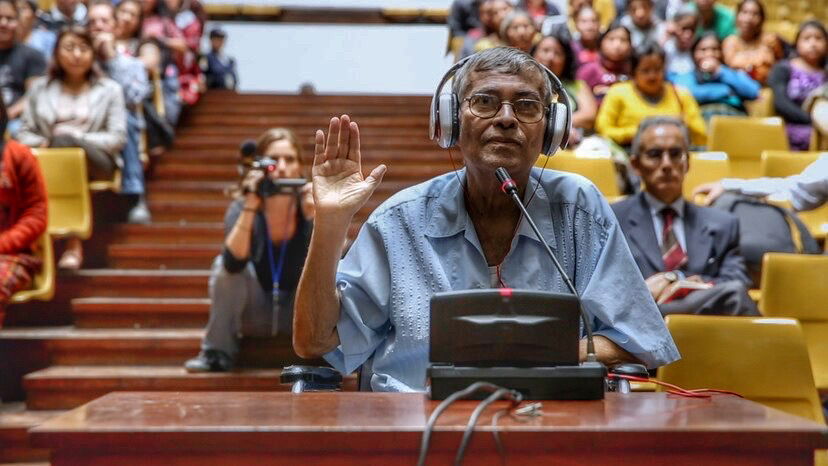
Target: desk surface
386	423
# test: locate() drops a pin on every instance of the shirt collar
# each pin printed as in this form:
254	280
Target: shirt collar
450	216
656	206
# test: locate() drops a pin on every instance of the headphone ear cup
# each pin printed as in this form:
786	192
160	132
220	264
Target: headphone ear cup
448	120
557	128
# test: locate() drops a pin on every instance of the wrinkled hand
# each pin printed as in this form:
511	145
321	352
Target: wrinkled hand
339	188
711	191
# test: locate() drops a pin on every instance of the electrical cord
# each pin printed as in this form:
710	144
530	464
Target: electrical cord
513	395
675	389
432	420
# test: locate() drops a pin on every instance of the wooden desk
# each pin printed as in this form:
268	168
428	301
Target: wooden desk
209	428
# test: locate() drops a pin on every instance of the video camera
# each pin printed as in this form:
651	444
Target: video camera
269	187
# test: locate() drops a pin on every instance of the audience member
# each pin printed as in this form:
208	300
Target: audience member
266	242
64	13
794	80
539	10
219	68
613	64
805	191
587	34
556	54
678	47
350	311
30	33
19	65
129	72
629	103
604	8
23	216
500	9
76	106
717	88
463	17
715	17
518	30
643	24
491	13
129	16
189	17
674	241
752	50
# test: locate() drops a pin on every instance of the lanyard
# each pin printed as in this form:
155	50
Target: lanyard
276	269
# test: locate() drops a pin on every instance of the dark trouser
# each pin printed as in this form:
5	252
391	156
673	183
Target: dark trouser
725	299
100	165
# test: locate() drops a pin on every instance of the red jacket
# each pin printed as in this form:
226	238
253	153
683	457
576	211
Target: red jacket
22	199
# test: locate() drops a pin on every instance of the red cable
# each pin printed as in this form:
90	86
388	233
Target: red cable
676	390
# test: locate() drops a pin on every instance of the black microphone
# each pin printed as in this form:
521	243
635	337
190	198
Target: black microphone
247	148
508	186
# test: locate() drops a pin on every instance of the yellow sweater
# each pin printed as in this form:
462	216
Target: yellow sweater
623	109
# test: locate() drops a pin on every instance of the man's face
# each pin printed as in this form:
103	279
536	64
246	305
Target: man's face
641	12
8	24
101	18
502	140
662	162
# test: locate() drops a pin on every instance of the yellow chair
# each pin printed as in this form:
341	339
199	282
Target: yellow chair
794	285
43	284
744	139
598	169
779	164
67	188
762	106
765	360
705	167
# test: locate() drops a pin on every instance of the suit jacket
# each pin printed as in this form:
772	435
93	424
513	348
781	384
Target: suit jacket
712	238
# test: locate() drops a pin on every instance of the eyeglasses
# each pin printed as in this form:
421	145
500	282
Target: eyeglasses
656	155
82	48
487	106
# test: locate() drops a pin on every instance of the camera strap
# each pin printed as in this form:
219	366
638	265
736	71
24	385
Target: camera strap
276	269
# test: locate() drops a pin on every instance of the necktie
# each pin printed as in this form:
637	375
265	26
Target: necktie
671	252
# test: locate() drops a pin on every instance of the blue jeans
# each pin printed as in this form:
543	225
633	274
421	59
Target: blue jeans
132	175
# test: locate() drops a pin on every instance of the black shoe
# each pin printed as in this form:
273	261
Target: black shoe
210	361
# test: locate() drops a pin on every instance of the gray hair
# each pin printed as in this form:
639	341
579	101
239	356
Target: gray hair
658	121
509	19
506	60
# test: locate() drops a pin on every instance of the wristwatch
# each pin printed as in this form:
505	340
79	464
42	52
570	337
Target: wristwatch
671	276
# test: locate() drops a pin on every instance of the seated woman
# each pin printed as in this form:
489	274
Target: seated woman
718	89
76	106
794	80
752	50
556	54
648	94
265	246
22	215
613	64
518	30
587	33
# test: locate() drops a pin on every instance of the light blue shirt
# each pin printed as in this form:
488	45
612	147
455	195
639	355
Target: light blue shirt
658	219
422	241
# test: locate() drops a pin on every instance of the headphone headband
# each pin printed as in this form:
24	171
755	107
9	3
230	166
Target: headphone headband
444	113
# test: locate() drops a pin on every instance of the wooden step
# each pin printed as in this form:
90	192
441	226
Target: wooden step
66	387
199	211
72	346
15	421
420	122
305	133
162	256
118	283
231	98
229	145
199	156
169	233
119	312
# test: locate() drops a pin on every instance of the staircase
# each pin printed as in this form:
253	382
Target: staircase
131	323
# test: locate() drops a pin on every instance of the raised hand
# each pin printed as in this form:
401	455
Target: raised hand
339	188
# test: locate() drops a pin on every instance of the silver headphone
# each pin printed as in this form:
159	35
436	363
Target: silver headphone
444	121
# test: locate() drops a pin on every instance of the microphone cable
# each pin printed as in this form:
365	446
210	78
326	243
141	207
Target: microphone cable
675	389
467	434
514	395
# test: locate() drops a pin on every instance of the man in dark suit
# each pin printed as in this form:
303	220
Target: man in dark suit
673	240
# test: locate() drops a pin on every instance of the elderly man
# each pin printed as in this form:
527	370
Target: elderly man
458	231
677	245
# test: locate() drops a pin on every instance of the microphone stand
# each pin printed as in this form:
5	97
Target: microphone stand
509	187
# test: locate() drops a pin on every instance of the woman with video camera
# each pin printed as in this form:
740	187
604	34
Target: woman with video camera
267	231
